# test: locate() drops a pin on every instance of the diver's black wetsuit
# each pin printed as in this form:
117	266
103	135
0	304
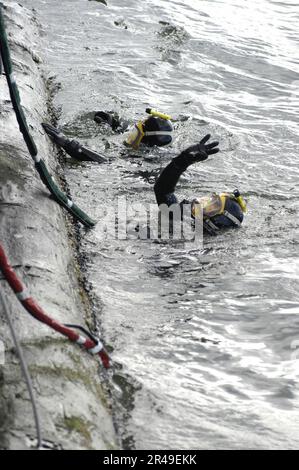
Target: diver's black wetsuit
72	147
156	130
166	184
168	179
232	215
116	123
153	129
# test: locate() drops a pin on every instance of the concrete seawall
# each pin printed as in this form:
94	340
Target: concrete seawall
75	412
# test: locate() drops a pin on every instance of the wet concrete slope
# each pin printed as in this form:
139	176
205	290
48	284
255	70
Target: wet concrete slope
34	231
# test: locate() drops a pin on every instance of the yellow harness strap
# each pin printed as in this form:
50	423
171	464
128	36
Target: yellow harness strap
136	136
238	199
212	208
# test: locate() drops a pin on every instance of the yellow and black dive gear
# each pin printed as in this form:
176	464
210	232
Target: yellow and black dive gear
155	113
220	210
155	130
135	136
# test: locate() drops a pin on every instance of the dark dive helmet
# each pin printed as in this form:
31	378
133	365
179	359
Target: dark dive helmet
220	210
155	130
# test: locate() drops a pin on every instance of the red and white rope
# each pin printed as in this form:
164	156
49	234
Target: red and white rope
37	312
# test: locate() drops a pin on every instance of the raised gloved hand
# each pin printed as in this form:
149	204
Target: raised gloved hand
197	152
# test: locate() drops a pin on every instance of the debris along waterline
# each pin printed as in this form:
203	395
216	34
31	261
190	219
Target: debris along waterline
34	232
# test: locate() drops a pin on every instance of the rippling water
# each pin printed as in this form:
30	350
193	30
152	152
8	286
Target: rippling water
206	339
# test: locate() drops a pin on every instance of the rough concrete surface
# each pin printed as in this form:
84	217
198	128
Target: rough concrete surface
73	406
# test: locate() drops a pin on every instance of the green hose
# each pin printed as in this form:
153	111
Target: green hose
60	197
40	165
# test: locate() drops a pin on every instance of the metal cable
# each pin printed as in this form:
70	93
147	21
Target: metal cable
24	370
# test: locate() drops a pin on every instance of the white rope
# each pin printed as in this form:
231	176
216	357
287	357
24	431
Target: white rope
81	340
96	349
24	295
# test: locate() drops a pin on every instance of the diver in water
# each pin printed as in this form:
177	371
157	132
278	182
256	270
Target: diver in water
156	130
219	211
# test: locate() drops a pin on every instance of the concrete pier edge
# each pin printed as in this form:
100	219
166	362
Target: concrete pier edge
39	238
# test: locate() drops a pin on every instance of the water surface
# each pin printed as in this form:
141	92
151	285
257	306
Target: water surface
206	338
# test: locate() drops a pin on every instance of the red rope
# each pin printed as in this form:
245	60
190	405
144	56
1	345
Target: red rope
37	312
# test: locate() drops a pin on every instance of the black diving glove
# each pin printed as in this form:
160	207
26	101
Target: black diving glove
197	153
